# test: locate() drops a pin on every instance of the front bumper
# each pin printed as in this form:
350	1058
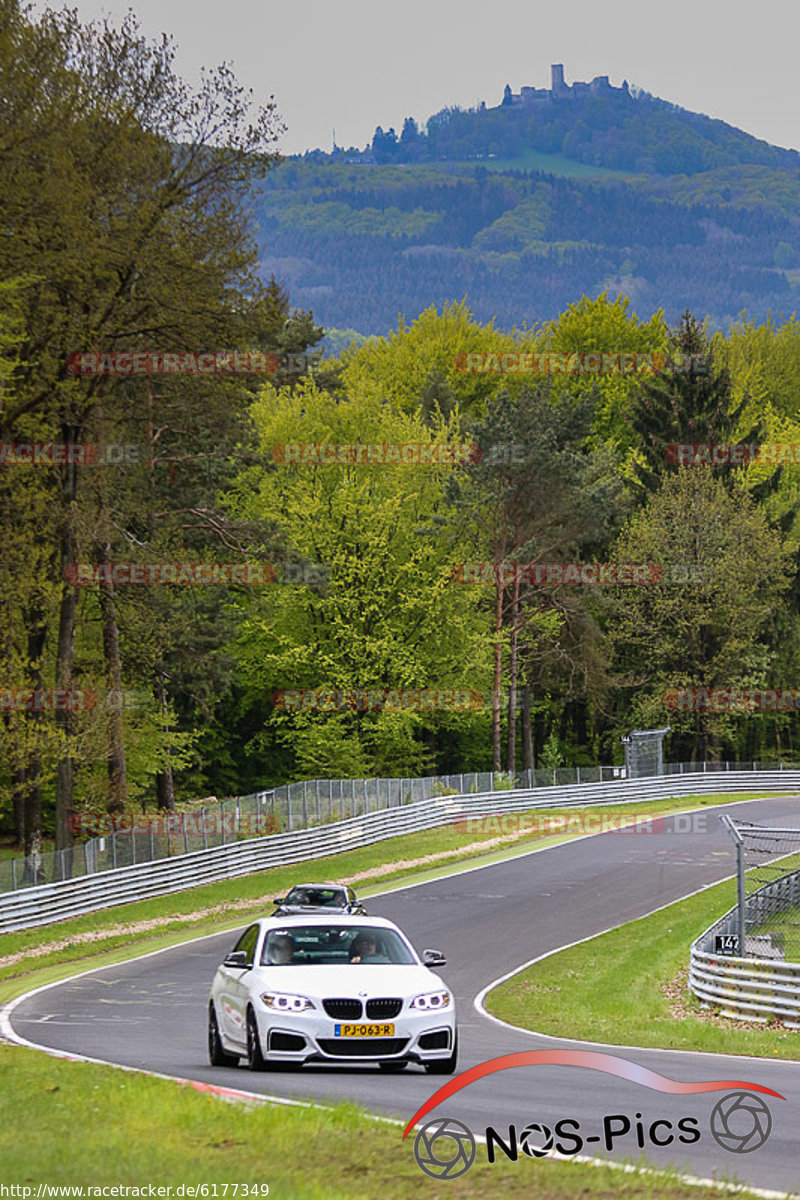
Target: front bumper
418	1037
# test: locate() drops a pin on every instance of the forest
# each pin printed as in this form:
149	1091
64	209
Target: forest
173	579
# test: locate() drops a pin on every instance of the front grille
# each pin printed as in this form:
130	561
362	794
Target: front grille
362	1047
383	1009
343	1010
435	1041
286	1041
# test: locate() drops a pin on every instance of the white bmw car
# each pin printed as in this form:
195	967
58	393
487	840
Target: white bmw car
337	989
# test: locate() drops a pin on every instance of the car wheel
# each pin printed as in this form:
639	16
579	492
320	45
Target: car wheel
444	1066
255	1059
217	1054
393	1066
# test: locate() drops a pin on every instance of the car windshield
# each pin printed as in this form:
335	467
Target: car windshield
323	945
317	897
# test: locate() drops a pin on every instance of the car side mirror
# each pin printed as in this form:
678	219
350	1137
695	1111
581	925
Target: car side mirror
433	958
236	958
279	900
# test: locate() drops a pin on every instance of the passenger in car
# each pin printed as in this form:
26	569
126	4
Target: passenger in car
280	950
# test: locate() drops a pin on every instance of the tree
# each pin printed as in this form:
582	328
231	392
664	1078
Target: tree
705	624
539	494
122	191
383	613
691	403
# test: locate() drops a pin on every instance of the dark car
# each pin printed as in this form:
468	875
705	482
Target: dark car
325	897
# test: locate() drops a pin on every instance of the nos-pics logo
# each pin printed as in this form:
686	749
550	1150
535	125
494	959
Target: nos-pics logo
740	1122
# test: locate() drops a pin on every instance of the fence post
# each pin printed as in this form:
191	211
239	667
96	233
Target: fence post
86	858
305	808
203	819
14	874
133	853
740	894
185	837
114	848
222	820
366	798
579	774
152	844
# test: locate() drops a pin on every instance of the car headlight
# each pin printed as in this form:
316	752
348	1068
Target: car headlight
285	1002
431	1000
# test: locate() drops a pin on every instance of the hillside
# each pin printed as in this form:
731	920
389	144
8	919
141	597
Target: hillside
523	207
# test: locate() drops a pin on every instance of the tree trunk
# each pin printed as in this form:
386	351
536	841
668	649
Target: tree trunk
118	793
65	650
512	688
497	764
527	732
37	635
165	789
498	677
18	803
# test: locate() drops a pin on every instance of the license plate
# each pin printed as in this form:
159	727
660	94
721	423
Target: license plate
364	1030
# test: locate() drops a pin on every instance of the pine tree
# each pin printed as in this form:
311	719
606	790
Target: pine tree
690	404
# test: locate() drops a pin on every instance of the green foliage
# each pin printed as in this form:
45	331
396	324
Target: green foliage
705	624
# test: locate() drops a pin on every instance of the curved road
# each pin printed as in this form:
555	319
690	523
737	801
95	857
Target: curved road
151	1012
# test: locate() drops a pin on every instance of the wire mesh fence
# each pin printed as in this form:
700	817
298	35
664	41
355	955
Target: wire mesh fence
768	900
138	839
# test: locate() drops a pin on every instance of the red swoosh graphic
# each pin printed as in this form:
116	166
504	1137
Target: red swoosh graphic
594	1061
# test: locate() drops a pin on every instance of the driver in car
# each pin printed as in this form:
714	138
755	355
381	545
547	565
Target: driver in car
364	950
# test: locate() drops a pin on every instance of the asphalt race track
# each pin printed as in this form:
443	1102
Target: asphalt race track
151	1012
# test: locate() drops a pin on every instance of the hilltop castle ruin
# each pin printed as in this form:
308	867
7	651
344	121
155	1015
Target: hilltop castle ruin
559	90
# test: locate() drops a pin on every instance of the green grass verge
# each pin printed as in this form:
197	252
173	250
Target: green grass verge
113	934
552	164
627	987
86	1125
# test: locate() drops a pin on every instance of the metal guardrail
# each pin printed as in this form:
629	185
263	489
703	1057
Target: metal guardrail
128	840
57	901
755	985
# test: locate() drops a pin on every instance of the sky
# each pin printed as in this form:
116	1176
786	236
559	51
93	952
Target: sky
349	65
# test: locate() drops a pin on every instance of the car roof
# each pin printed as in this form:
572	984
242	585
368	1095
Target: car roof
320	917
339	886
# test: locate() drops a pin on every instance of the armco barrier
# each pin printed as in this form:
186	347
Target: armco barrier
749	988
57	901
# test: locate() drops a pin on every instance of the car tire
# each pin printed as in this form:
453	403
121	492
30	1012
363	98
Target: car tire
444	1066
217	1055
393	1066
255	1059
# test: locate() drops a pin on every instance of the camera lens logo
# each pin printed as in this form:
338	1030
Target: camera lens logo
444	1148
740	1122
536	1140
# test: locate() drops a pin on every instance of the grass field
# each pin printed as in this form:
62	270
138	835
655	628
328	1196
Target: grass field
552	164
77	1123
628	987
